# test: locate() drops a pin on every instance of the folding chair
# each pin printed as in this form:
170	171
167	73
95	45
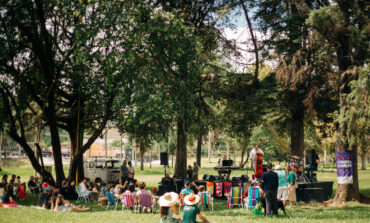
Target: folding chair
111	200
145	201
253	195
236	197
182	197
206	199
128	201
82	196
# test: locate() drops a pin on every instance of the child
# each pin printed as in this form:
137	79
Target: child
22	191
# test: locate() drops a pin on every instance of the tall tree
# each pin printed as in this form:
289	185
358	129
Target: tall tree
65	61
343	26
302	83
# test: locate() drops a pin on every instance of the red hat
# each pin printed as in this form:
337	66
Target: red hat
45	184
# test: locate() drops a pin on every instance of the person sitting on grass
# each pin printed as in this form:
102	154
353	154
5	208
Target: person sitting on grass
63	205
44	198
9	191
191	209
169	205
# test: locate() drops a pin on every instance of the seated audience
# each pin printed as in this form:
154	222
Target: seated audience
38	184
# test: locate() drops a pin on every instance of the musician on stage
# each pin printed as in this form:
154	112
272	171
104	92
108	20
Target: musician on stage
253	154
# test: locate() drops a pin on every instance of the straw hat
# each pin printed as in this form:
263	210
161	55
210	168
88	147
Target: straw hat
277	167
168	199
191	199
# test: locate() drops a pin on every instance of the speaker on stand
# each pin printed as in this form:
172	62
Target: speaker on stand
164	161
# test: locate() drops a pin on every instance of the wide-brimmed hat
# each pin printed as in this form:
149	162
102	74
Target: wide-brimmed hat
168	199
277	167
191	199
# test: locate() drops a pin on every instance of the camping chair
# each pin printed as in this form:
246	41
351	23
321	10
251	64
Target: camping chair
111	200
236	197
145	201
182	197
253	195
128	201
82	196
206	199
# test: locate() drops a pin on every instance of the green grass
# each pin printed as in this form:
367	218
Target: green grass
352	212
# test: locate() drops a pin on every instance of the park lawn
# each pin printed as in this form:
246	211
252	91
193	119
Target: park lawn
352	212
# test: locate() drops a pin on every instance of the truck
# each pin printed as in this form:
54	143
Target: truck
102	170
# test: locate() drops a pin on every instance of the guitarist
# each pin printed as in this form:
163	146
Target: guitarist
253	155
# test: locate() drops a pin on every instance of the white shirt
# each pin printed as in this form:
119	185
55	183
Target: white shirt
83	187
117	189
131	171
253	156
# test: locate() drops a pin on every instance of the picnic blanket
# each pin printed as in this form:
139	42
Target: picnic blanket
8	205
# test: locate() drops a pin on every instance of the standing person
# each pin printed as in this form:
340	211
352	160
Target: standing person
32	185
191	209
270	184
131	171
195	171
253	154
124	172
169	205
283	184
189	172
292	198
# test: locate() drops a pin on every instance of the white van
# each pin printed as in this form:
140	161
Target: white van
102	170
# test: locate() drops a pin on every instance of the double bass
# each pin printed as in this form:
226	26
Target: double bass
259	169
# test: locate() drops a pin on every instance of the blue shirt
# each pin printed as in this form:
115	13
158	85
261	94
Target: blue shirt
270	181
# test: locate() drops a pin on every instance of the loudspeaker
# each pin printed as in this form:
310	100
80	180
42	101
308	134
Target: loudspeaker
244	178
311	157
211	178
164	159
227	162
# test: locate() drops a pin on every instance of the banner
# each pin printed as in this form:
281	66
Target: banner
227	188
210	187
344	167
218	189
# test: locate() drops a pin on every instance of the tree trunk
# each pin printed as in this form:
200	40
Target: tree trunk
1	146
199	150
181	156
151	157
363	161
76	172
297	130
142	152
209	146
